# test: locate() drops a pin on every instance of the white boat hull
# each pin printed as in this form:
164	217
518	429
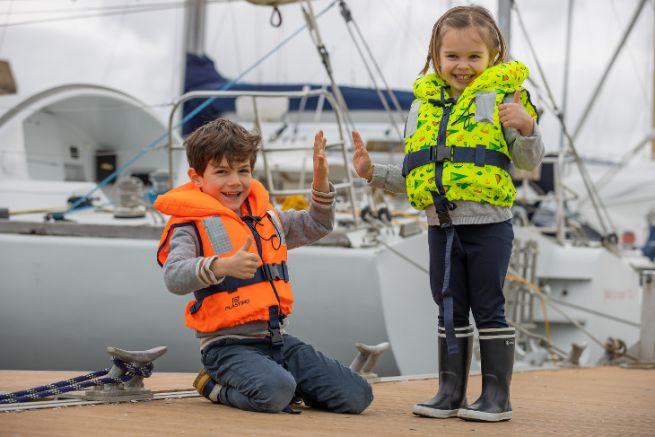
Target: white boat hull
65	298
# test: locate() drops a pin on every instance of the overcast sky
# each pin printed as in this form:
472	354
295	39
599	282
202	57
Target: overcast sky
141	53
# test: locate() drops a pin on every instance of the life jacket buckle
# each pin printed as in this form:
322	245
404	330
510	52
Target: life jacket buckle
443	206
444	219
276	337
441	153
274	272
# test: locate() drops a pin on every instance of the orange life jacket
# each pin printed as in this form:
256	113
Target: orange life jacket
222	232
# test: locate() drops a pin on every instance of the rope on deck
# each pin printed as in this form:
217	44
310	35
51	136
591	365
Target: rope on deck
78	383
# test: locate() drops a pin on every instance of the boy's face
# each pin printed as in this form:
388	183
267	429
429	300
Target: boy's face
230	185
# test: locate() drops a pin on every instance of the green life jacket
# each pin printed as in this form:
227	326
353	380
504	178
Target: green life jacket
469	122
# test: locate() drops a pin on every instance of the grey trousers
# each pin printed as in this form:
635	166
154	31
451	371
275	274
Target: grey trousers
252	381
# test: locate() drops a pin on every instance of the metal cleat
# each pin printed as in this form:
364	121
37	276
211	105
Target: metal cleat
573	359
366	358
133	388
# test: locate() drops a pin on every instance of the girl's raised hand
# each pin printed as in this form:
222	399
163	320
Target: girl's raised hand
361	160
515	116
321	170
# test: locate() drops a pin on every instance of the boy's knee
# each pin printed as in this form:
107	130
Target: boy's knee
276	394
360	397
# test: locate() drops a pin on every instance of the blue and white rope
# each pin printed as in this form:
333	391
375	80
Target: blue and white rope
77	383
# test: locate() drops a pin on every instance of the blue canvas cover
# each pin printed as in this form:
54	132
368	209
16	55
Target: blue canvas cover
201	75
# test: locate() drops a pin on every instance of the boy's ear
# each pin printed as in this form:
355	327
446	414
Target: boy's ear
195	177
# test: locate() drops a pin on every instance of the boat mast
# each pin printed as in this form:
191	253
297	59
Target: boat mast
505	20
194	32
567	61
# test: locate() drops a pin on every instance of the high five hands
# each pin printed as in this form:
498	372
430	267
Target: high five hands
515	116
321	170
361	160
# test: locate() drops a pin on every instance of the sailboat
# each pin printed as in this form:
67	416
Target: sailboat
64	309
87	279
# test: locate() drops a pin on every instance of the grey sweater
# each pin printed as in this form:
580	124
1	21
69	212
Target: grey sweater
185	271
526	153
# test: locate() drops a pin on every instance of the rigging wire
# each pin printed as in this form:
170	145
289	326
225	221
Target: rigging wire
112	55
613	58
310	20
601	211
348	18
4	29
103	14
78	8
641	81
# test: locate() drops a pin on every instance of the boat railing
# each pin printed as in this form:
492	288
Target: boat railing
256	96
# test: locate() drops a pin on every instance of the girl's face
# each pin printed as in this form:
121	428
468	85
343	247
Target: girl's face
463	56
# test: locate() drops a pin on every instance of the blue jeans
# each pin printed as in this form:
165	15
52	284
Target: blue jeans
479	262
252	381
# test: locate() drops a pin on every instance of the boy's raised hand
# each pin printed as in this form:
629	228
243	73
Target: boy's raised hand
515	116
321	170
361	160
242	264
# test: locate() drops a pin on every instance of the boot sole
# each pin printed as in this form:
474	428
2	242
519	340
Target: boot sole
481	416
422	410
201	380
200	383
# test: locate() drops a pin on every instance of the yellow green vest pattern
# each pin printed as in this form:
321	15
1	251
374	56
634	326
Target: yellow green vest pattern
464	181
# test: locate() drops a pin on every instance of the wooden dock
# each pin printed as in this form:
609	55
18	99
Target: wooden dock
601	401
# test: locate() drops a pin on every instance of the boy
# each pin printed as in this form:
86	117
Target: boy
227	245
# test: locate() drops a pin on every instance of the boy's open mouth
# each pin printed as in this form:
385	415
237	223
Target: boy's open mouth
231	194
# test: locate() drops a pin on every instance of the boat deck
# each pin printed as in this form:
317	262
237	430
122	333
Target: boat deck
588	401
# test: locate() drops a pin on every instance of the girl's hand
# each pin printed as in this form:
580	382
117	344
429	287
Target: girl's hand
361	160
321	169
515	116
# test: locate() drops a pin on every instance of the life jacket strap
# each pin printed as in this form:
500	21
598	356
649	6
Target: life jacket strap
479	155
277	341
265	272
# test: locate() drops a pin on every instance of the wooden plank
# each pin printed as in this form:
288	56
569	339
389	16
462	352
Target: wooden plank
597	401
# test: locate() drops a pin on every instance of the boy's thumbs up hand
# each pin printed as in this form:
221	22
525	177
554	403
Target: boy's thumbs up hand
247	244
243	264
514	115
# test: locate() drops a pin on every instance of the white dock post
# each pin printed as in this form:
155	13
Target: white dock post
647	330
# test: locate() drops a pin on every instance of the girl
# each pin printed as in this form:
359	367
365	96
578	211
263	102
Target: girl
470	118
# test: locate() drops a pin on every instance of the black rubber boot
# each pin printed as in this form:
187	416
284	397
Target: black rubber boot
497	356
453	377
206	386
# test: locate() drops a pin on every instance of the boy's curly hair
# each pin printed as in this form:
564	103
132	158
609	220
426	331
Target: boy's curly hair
218	139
